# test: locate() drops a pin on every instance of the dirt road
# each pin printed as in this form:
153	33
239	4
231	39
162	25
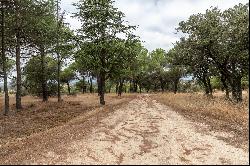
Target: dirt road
141	132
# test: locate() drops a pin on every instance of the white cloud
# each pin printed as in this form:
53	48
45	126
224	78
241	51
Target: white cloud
157	19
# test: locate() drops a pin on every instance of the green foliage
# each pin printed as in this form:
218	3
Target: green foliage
104	54
245	83
43	31
67	75
9	66
158	60
189	86
33	75
216	83
216	45
81	86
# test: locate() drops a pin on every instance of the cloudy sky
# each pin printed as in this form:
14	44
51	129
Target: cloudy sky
157	19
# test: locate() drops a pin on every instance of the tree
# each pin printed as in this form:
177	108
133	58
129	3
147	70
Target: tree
237	46
64	45
143	66
125	51
21	15
82	68
34	76
158	65
101	23
4	6
58	55
137	67
190	54
43	35
176	73
67	75
222	39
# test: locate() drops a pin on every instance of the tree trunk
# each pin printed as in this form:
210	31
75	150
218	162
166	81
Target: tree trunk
18	54
6	92
116	87
83	84
91	85
18	70
225	85
120	87
130	86
102	76
162	88
167	86
135	86
155	87
98	85
44	75
234	94
176	86
223	71
68	87
59	99
236	89
102	87
205	83
208	86
232	82
162	85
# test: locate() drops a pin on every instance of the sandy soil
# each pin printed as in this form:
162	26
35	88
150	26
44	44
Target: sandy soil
141	132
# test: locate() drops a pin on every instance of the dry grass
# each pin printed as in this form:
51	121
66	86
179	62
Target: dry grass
38	116
219	114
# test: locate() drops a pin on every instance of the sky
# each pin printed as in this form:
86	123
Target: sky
156	19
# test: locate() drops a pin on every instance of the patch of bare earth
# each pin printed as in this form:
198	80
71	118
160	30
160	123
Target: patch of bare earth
140	132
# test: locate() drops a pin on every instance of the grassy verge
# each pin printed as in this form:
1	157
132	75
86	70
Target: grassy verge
217	113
